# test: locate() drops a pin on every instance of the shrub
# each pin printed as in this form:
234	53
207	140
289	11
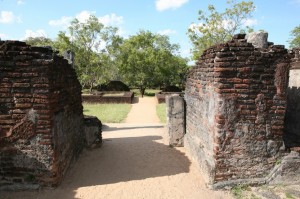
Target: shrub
113	86
171	89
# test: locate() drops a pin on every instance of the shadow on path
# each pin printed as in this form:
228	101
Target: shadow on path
107	128
126	159
118	160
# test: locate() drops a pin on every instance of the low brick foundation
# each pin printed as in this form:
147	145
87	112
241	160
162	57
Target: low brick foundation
102	99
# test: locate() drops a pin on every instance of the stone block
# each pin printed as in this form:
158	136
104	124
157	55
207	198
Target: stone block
175	120
287	171
92	131
258	39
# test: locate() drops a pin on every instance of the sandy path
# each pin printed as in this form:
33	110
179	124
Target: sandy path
144	111
133	163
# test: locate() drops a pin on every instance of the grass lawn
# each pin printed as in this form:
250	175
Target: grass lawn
114	94
161	112
107	113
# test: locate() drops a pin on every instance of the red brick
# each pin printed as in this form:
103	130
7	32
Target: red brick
7	121
41	85
238	86
224	69
30	74
23	105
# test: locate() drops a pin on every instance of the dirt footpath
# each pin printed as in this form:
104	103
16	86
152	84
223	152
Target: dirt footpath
143	111
133	163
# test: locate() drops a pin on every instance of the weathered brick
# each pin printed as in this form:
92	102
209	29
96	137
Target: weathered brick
235	109
40	104
30	74
23	105
237	86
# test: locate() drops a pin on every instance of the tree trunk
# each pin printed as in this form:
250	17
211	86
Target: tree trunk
91	87
142	90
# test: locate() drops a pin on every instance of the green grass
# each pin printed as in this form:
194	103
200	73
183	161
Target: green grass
107	113
238	190
85	91
161	112
113	94
254	196
289	196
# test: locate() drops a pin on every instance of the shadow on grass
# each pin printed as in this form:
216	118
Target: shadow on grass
149	94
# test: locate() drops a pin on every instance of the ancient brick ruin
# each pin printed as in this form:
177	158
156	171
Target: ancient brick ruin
109	97
41	120
236	104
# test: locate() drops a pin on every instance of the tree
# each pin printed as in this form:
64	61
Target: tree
172	72
94	45
295	40
39	41
148	59
218	27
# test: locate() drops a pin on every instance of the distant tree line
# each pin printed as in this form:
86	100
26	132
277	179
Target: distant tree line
147	59
142	60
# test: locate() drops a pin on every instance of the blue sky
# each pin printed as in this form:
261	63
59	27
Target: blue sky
23	18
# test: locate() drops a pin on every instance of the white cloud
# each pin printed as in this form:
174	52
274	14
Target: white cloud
37	33
63	21
84	15
167	32
250	22
195	28
162	5
20	2
122	32
185	52
229	24
111	20
9	17
2	36
107	20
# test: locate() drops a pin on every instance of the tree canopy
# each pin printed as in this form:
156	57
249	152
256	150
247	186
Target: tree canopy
218	27
148	60
39	41
142	60
94	46
295	40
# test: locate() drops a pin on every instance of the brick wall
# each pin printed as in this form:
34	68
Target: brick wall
41	120
236	101
126	98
